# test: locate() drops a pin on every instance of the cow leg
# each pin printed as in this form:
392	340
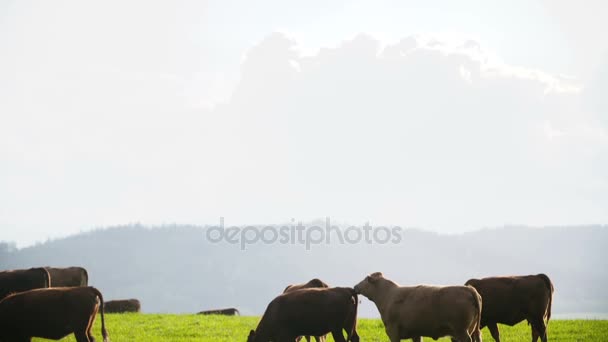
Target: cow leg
494	331
534	335
81	336
476	336
462	337
338	335
539	329
393	333
320	338
417	339
90	324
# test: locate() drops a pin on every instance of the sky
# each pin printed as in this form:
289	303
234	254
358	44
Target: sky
447	116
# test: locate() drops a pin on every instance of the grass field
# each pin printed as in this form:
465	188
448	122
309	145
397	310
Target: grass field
182	328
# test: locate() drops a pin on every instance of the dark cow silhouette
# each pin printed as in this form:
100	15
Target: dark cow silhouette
313	283
226	312
23	280
51	313
309	312
122	306
510	300
68	276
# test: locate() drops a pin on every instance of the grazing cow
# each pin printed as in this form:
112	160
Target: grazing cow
23	280
313	283
122	306
52	314
309	312
417	311
510	300
69	276
225	312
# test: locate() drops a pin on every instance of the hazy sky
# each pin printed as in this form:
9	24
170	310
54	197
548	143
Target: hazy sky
444	115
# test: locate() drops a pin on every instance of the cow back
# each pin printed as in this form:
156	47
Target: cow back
68	276
23	280
508	300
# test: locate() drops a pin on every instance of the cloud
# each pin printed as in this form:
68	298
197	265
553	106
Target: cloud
417	128
419	132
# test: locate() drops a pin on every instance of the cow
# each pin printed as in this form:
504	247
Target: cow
68	276
23	280
51	313
309	312
225	312
122	306
313	283
510	300
424	310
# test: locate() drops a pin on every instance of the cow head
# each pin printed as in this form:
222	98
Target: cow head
251	337
368	286
316	282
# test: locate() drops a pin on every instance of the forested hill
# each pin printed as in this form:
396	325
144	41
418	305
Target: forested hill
176	269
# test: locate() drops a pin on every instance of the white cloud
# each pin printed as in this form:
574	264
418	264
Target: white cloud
423	132
449	130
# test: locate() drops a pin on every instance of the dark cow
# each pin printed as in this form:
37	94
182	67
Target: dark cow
424	310
68	276
311	284
122	306
23	280
52	314
309	312
510	300
225	312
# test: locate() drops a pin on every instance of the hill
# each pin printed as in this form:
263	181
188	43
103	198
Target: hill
175	269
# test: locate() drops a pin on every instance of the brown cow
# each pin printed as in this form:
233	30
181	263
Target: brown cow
225	312
309	312
52	314
417	311
122	306
313	283
68	276
23	280
510	300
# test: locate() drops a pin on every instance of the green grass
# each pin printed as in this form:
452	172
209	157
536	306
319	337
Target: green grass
181	328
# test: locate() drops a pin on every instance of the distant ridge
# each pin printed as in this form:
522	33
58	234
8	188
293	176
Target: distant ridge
174	269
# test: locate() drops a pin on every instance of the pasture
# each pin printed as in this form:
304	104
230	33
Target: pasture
186	328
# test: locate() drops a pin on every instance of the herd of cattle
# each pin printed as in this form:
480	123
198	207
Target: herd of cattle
55	302
52	303
409	312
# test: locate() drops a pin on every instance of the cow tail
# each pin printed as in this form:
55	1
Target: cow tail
351	320
85	276
47	277
104	332
478	306
549	284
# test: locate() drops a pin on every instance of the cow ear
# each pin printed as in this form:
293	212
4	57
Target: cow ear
370	279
